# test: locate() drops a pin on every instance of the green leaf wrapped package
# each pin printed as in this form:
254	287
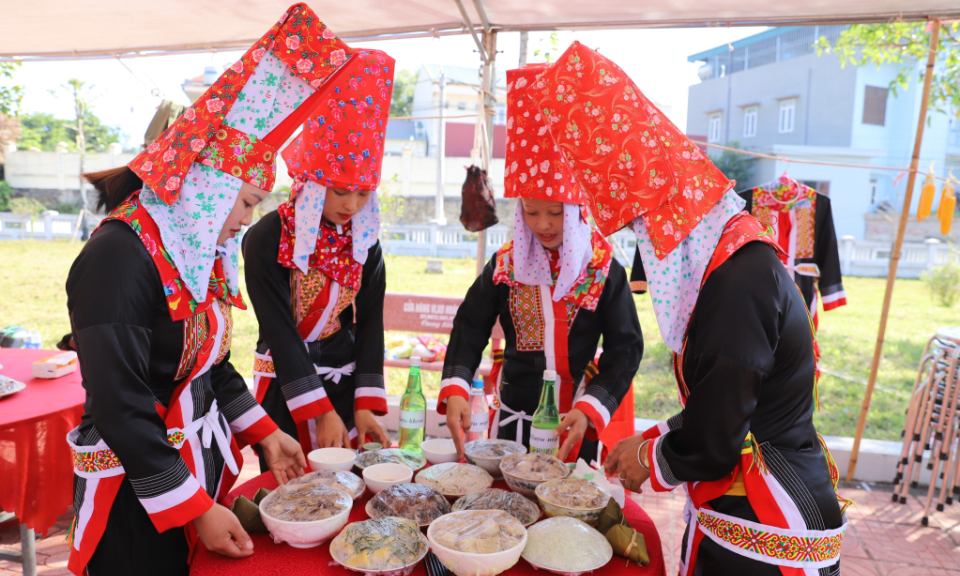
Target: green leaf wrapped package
610	517
628	543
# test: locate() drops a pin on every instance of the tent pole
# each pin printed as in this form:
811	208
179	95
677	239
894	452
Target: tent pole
489	86
895	254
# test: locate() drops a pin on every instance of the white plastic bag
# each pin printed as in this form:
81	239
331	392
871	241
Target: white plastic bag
599	477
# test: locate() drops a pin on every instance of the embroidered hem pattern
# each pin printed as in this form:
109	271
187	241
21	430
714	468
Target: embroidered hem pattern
764	544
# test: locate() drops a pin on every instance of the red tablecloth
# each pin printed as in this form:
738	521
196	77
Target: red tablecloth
270	559
36	473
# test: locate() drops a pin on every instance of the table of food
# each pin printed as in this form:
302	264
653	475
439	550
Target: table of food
392	512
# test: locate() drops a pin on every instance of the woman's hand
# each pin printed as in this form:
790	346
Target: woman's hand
367	425
623	462
458	421
575	425
331	433
283	456
220	532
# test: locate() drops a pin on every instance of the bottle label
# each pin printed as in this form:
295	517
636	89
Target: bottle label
480	422
411	419
543	441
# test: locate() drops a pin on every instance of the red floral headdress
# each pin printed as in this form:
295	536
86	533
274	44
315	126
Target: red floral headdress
535	167
628	157
304	44
342	141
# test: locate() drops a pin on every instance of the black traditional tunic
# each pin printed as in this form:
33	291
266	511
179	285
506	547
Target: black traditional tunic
749	366
816	255
354	334
135	361
526	322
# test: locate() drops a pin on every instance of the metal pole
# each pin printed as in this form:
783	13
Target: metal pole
895	255
439	216
489	109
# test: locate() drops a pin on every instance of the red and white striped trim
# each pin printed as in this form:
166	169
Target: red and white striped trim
595	410
329	305
177	507
835	300
370	398
451	387
253	425
661	480
309	404
657	430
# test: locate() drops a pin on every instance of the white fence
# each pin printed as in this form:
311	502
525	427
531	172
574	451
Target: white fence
871	258
857	257
47	226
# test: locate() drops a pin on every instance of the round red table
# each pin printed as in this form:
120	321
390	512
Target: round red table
270	559
35	462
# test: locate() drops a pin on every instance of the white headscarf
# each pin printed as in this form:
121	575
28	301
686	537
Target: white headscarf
308	208
190	227
531	265
674	282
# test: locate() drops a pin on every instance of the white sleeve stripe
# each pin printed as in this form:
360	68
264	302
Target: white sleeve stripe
173	498
842	294
370	392
248	419
598	406
306	398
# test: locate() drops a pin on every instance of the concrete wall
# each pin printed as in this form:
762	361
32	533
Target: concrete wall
57	170
824	93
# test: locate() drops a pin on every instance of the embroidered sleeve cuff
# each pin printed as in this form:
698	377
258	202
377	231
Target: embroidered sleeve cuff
306	398
248	420
173	497
661	477
638	286
833	296
451	387
370	394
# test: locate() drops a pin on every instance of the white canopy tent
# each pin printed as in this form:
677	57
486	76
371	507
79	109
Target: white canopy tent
68	29
108	28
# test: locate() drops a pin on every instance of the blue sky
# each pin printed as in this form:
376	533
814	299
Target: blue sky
126	94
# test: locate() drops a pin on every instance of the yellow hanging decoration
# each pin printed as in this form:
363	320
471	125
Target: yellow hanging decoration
926	195
948	205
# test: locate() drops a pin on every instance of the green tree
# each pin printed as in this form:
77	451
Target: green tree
734	166
906	44
43	131
403	84
10	96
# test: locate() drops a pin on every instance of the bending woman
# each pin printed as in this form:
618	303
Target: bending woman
556	291
315	272
150	299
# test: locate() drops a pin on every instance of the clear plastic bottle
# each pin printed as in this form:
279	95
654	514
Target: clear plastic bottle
413	411
546	418
479	413
33	340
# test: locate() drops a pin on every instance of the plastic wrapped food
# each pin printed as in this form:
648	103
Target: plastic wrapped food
455	480
416	502
379	544
346	482
305	503
548	546
573	493
478	531
538	467
493	448
410	459
496	499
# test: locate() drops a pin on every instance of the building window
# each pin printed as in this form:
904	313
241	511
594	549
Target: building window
501	115
461	105
713	133
874	105
874	191
788	110
750	121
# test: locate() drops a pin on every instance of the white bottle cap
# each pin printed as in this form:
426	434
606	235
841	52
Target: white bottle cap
414	361
550	375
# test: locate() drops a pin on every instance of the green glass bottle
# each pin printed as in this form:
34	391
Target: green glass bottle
413	411
546	418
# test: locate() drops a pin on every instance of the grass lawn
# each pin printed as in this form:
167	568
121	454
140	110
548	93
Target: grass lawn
32	295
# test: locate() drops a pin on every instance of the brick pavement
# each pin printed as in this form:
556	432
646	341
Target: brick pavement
883	538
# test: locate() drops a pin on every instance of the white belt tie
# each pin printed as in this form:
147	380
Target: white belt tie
208	426
518	416
331	373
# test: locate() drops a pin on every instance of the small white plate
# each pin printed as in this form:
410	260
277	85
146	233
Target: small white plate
10	386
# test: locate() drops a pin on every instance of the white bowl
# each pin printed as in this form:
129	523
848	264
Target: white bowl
382	476
492	463
306	534
332	459
470	564
440	450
